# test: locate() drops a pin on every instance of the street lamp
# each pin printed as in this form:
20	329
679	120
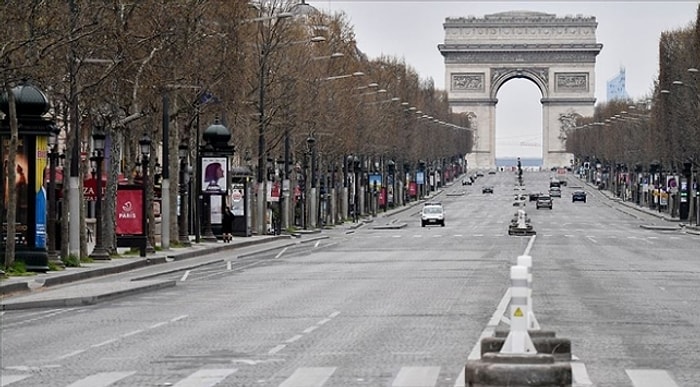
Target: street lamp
145	145
183	234
98	138
311	142
51	229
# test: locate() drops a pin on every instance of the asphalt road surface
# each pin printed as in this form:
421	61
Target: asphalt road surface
391	307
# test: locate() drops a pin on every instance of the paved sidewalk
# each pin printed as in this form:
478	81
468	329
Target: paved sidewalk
667	221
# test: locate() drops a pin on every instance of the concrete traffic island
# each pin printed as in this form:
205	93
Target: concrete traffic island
520	225
517	370
524	355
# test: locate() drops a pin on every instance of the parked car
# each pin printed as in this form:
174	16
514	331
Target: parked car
544	201
466	181
432	213
487	189
555	192
578	196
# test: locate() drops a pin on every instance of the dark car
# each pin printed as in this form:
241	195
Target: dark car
578	196
544	201
487	189
534	195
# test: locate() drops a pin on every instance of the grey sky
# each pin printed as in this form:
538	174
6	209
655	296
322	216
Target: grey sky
628	30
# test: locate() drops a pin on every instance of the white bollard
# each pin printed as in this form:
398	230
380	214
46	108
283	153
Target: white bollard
521	219
526	260
518	340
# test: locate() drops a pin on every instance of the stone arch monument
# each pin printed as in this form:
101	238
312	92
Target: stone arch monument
557	54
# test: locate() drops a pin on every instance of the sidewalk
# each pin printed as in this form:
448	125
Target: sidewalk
670	223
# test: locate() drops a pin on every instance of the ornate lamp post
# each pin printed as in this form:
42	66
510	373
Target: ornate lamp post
145	145
183	235
51	226
98	137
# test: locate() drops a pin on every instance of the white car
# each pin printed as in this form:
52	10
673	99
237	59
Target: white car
432	213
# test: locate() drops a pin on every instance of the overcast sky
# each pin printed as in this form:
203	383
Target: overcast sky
628	30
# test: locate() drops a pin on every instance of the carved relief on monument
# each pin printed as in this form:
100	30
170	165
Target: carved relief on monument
510	57
568	122
468	82
576	82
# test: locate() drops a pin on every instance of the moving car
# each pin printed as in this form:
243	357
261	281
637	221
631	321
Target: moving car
578	196
555	192
487	189
432	213
544	201
532	196
467	181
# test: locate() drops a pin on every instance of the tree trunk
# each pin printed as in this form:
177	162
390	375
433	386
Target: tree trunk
11	190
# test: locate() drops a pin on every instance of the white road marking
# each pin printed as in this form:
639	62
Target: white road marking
136	332
184	276
325	320
334	314
110	341
416	377
158	325
281	252
206	378
579	374
276	349
650	378
71	354
101	379
178	318
293	338
6	380
317	243
309	377
310	329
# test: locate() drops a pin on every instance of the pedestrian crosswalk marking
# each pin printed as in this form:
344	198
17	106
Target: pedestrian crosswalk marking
309	377
206	377
416	377
650	378
408	376
101	379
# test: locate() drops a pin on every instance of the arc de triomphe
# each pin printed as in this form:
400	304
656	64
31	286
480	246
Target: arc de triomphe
557	54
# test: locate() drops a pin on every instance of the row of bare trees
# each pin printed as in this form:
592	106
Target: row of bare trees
109	64
663	129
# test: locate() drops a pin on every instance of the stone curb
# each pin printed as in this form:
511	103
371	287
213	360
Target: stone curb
58	302
78	276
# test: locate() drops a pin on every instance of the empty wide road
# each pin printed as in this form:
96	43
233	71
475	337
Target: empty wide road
391	307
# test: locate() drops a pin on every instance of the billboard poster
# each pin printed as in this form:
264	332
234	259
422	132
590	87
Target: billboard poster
40	190
217	212
413	188
22	187
237	199
375	182
214	174
420	177
130	212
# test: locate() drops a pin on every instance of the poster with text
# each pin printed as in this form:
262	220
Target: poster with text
130	212
40	190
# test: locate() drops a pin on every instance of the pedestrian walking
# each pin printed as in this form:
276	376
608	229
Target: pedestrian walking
227	225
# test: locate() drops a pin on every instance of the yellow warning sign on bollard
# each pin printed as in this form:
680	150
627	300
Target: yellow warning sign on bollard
518	313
